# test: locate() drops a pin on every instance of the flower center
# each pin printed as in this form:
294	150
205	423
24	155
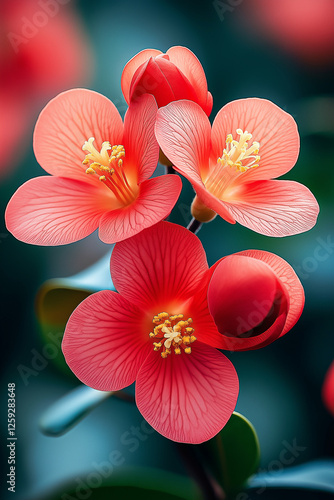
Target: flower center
172	331
238	155
109	168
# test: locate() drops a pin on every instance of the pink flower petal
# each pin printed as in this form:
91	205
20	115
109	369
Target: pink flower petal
273	128
247	302
241	294
188	397
273	208
205	328
155	201
190	66
140	144
131	67
56	211
104	342
290	280
183	131
159	268
328	389
211	201
161	78
66	123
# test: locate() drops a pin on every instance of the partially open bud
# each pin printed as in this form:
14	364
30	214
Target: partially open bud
176	75
249	300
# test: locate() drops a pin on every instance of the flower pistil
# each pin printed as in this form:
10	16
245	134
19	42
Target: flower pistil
172	331
237	153
109	168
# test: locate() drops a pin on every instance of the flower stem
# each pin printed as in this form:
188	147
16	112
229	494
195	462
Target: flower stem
194	225
209	487
170	170
124	396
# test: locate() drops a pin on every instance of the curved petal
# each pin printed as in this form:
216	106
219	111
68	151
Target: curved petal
140	144
158	268
155	201
131	67
211	201
250	343
273	128
105	343
183	131
190	66
209	103
189	397
247	301
197	308
290	280
241	294
66	123
328	389
161	78
274	208
55	211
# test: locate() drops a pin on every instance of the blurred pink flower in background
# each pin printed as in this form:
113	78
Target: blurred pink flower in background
328	389
43	50
301	27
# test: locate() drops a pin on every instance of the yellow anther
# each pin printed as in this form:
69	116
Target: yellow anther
177	350
187	350
95	165
90	170
102	178
85	161
238	155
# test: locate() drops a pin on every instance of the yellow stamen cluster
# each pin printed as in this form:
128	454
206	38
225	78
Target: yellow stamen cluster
237	154
109	168
172	332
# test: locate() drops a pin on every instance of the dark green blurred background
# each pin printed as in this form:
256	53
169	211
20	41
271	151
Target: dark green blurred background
280	385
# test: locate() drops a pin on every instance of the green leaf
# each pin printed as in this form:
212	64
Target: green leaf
233	455
70	409
56	300
130	483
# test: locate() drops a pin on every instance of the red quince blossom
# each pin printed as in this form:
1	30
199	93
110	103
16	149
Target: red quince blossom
328	389
232	165
254	298
178	74
43	51
158	331
100	173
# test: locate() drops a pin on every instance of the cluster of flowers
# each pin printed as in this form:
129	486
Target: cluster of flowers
172	313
